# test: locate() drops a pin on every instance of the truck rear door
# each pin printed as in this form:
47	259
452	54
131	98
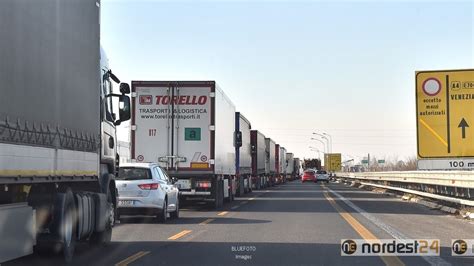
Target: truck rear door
172	125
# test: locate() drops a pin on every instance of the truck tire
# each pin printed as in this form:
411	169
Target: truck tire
64	225
218	195
163	214
104	237
231	196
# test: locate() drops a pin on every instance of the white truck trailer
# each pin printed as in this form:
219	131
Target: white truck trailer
188	128
270	161
290	166
243	155
282	164
257	140
58	156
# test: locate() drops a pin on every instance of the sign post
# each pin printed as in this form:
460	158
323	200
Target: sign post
444	114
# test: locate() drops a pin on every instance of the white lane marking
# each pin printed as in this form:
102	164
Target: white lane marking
390	230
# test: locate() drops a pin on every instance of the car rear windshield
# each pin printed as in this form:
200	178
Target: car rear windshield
322	172
309	172
132	173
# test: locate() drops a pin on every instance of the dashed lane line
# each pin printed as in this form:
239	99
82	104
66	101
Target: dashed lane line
180	234
132	258
207	221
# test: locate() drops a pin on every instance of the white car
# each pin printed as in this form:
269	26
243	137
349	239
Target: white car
322	176
146	189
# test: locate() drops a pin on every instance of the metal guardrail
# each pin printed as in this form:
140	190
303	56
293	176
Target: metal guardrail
461	179
425	194
451	186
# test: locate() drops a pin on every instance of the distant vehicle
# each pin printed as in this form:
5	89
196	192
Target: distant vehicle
243	155
322	175
146	189
257	147
308	175
270	162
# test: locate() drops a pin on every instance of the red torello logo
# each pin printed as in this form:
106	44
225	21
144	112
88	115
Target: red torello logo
181	100
146	99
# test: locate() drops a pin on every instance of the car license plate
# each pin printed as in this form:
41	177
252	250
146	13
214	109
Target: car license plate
183	184
125	202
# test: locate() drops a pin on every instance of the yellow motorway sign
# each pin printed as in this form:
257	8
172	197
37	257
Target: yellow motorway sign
332	161
445	113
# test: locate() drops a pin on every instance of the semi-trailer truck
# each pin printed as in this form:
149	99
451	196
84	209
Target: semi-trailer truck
270	161
258	148
243	155
282	165
290	166
187	127
278	166
298	168
58	157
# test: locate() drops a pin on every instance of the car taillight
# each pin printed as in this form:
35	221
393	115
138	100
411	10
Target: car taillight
152	186
203	184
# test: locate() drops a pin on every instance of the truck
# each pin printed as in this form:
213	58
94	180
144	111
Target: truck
258	148
270	162
312	164
58	119
282	165
290	166
278	166
298	168
188	128
243	155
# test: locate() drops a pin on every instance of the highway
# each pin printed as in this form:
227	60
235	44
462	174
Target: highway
290	224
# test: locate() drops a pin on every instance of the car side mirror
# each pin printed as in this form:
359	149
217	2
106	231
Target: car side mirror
124	109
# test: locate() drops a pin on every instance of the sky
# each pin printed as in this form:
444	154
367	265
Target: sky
292	68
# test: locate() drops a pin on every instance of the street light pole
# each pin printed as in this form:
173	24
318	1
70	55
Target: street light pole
324	137
316	150
324	145
327	143
330	139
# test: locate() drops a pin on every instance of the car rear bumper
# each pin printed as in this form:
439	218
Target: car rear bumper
138	211
138	202
195	193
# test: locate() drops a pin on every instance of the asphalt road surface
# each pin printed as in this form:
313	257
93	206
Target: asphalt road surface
290	224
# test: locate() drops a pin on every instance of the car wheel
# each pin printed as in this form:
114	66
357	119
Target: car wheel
175	214
163	215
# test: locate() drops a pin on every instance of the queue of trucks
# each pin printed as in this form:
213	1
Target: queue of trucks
59	113
192	129
58	144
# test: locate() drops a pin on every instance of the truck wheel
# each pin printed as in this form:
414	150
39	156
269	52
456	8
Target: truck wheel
104	237
163	215
65	223
219	195
231	196
175	214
